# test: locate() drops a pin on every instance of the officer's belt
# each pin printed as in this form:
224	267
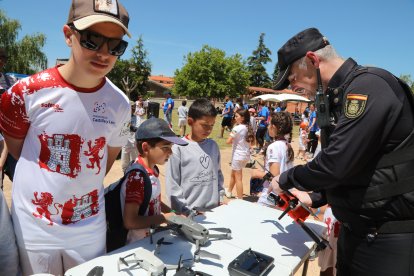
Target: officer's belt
389	227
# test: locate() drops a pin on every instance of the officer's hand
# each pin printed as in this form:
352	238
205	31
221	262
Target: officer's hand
302	196
275	185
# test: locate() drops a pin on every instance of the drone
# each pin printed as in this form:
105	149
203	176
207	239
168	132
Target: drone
146	260
154	265
194	232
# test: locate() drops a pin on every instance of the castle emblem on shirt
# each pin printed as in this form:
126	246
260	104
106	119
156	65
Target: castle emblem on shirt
76	209
355	105
44	202
93	152
60	153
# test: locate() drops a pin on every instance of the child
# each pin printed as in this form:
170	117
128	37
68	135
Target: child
193	173
302	140
182	117
279	154
154	141
140	113
129	151
70	126
242	137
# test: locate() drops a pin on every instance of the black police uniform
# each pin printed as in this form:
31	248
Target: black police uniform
366	171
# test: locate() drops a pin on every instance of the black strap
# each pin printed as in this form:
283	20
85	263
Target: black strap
396	157
393	227
147	186
389	189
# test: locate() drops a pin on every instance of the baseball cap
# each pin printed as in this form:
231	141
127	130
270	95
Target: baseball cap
157	128
252	110
295	48
85	13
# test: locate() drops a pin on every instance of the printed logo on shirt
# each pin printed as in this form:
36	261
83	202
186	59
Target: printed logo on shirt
55	107
125	130
355	105
60	153
76	209
93	152
98	116
44	202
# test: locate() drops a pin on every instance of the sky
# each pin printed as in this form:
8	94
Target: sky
373	32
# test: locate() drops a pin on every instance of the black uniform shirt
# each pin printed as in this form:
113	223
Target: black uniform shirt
372	120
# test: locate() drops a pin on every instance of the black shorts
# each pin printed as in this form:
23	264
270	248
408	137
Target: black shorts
226	122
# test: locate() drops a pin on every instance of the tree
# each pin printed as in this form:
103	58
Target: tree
275	73
140	66
408	80
25	56
256	62
209	73
132	75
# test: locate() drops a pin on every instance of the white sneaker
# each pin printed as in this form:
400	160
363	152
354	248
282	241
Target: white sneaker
228	194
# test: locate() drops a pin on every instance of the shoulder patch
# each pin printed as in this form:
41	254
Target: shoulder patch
355	105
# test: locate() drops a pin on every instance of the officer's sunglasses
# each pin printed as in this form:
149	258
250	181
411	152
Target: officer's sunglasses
94	41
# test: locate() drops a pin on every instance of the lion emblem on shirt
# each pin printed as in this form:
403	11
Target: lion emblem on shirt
93	152
43	203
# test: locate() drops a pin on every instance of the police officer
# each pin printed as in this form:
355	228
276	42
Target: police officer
366	169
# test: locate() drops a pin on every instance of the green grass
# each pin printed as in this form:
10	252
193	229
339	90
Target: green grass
216	130
214	134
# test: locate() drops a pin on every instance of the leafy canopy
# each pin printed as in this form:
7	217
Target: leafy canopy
25	55
132	75
209	73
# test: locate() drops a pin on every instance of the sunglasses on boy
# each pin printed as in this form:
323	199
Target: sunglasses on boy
94	41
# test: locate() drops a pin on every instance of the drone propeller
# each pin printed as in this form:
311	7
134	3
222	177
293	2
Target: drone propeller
161	241
205	254
221	229
225	233
197	211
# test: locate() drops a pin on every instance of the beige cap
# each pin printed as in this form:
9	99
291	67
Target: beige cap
85	13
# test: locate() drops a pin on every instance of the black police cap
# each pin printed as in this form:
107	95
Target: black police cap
295	48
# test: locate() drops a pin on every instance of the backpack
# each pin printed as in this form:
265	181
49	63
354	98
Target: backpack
116	234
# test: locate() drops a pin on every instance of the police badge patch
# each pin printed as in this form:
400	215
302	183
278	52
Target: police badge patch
355	105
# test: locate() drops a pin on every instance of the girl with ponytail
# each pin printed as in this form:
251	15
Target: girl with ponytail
279	154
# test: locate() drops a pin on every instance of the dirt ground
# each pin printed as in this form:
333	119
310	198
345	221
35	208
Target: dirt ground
116	173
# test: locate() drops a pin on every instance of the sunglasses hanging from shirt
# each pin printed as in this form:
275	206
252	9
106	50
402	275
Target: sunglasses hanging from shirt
94	41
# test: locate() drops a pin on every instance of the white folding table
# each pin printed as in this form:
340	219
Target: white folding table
252	225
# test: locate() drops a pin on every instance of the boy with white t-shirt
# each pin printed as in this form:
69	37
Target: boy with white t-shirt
66	126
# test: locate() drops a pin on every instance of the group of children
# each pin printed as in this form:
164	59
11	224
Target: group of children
193	171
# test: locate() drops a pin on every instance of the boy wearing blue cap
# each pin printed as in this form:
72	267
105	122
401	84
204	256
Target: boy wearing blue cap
154	142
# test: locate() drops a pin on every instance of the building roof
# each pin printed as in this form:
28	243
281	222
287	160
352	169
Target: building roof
262	90
167	82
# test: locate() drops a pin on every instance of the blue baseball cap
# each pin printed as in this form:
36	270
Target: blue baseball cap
157	128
